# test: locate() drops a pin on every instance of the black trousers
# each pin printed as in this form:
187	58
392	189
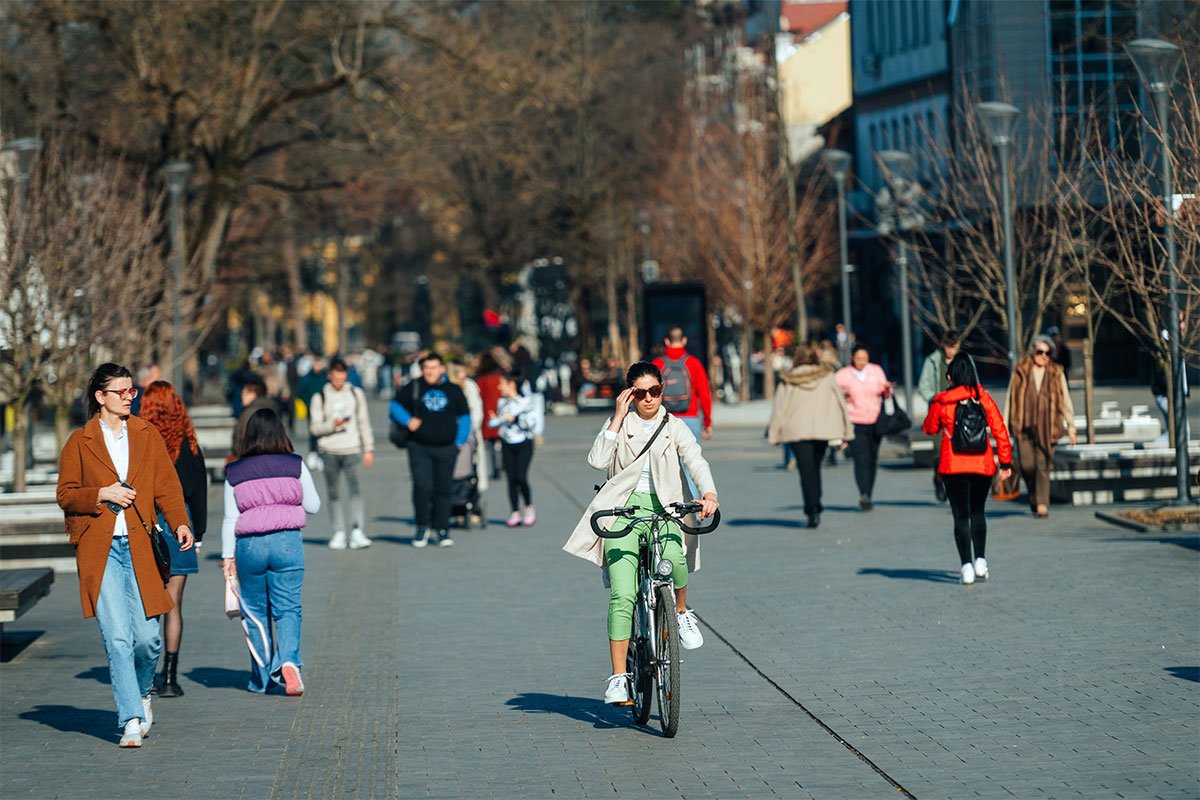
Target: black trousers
517	458
864	449
432	467
968	493
809	454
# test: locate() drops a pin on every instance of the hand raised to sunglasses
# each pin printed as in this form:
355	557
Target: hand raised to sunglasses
624	401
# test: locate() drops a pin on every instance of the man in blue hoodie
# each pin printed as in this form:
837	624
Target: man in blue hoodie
436	414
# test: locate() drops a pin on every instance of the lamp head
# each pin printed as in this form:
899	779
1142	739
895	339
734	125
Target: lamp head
838	162
176	173
899	168
999	120
26	150
1156	61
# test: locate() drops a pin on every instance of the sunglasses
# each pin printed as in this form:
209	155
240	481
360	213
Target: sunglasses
653	391
126	394
1041	352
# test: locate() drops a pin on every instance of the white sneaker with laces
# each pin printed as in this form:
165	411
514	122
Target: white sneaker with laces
338	542
147	716
444	539
423	538
689	631
617	690
132	736
981	570
358	539
968	575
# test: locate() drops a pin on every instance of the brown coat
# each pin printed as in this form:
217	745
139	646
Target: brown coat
1058	413
84	467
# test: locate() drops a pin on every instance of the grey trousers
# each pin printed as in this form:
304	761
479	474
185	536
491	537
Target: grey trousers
335	467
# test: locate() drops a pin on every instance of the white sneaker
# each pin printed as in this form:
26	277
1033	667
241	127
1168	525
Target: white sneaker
689	632
617	690
968	575
444	539
422	539
981	571
147	716
358	539
338	542
132	737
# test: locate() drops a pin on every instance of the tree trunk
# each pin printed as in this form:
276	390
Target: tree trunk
768	367
291	269
631	316
19	452
747	343
610	299
62	424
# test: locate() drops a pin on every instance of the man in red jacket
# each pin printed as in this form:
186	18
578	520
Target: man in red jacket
685	385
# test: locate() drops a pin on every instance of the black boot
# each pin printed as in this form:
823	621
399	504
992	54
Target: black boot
169	685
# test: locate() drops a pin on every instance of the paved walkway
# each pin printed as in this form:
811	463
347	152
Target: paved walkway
838	663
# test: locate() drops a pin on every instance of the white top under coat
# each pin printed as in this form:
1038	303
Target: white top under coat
118	450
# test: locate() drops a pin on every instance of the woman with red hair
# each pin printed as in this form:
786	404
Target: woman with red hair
163	408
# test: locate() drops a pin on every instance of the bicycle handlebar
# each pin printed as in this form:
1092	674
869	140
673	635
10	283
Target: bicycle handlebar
630	512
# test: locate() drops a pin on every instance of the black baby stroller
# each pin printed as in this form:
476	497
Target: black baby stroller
468	508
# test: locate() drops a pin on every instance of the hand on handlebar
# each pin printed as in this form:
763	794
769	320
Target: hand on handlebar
708	505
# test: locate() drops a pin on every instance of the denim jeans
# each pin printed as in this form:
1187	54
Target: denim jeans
131	641
335	467
270	570
696	426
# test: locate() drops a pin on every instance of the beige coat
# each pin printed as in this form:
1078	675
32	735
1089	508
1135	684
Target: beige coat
809	405
617	457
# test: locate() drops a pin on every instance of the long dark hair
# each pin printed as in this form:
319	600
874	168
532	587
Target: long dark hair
962	372
640	369
265	435
100	380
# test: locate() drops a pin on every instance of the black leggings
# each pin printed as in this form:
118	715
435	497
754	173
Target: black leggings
517	458
968	493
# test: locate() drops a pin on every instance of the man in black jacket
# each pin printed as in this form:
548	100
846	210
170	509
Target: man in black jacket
436	413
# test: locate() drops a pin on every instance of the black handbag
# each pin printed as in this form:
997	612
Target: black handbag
399	434
893	422
158	546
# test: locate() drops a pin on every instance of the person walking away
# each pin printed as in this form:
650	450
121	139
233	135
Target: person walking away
931	383
487	377
1039	413
268	493
115	462
163	408
437	415
686	394
809	411
865	387
516	418
253	397
338	418
645	471
966	461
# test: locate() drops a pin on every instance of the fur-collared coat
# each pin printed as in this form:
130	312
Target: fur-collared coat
84	467
618	457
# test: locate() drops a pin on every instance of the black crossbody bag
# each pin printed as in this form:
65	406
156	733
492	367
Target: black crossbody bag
657	431
158	545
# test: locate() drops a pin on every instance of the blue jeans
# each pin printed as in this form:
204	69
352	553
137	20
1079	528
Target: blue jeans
696	426
270	570
131	641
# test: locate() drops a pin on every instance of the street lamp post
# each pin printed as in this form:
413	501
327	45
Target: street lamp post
999	120
838	162
26	150
1156	63
176	173
899	171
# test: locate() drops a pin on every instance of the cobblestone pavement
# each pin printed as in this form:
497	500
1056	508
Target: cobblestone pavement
838	663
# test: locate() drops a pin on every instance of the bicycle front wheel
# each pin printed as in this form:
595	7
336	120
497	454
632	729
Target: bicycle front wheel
638	663
666	630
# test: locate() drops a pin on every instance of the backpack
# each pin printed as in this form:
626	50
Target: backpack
970	437
677	385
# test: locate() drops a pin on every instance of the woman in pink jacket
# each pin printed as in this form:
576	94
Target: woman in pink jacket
865	386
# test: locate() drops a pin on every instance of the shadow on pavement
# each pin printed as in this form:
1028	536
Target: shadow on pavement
584	709
931	575
401	520
745	522
69	719
14	643
219	677
1185	673
1188	542
96	674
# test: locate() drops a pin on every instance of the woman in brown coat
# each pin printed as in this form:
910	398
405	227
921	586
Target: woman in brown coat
114	462
1040	412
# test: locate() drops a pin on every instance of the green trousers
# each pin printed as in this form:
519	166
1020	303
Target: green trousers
621	557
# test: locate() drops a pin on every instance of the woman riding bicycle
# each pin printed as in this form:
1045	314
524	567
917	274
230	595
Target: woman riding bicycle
649	479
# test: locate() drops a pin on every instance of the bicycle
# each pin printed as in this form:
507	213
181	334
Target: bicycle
654	658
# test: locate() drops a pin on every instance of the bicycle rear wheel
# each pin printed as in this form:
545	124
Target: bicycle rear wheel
666	631
638	664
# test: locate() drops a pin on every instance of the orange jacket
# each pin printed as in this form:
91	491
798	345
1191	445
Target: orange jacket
941	418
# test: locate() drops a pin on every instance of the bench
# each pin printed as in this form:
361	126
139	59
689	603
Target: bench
20	589
32	534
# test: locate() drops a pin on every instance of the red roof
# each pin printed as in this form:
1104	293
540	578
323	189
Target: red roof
802	18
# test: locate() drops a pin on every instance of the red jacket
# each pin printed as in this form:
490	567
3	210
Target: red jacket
941	418
701	402
489	393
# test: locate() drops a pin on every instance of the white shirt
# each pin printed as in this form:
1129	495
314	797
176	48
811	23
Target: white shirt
118	450
645	481
861	374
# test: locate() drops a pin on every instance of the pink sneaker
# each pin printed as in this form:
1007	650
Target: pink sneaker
292	683
514	519
530	516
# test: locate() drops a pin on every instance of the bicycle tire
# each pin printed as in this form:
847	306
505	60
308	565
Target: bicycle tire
638	664
667	652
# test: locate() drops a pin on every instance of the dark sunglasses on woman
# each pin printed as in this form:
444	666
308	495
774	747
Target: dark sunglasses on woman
653	391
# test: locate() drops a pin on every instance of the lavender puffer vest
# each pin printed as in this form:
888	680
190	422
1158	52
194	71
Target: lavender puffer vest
268	493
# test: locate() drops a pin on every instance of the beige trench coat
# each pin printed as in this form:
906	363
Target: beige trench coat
617	458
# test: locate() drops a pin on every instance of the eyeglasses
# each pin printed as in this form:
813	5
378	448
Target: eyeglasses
1040	352
125	394
653	391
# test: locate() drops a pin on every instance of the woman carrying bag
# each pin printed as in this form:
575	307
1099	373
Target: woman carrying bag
114	464
965	414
